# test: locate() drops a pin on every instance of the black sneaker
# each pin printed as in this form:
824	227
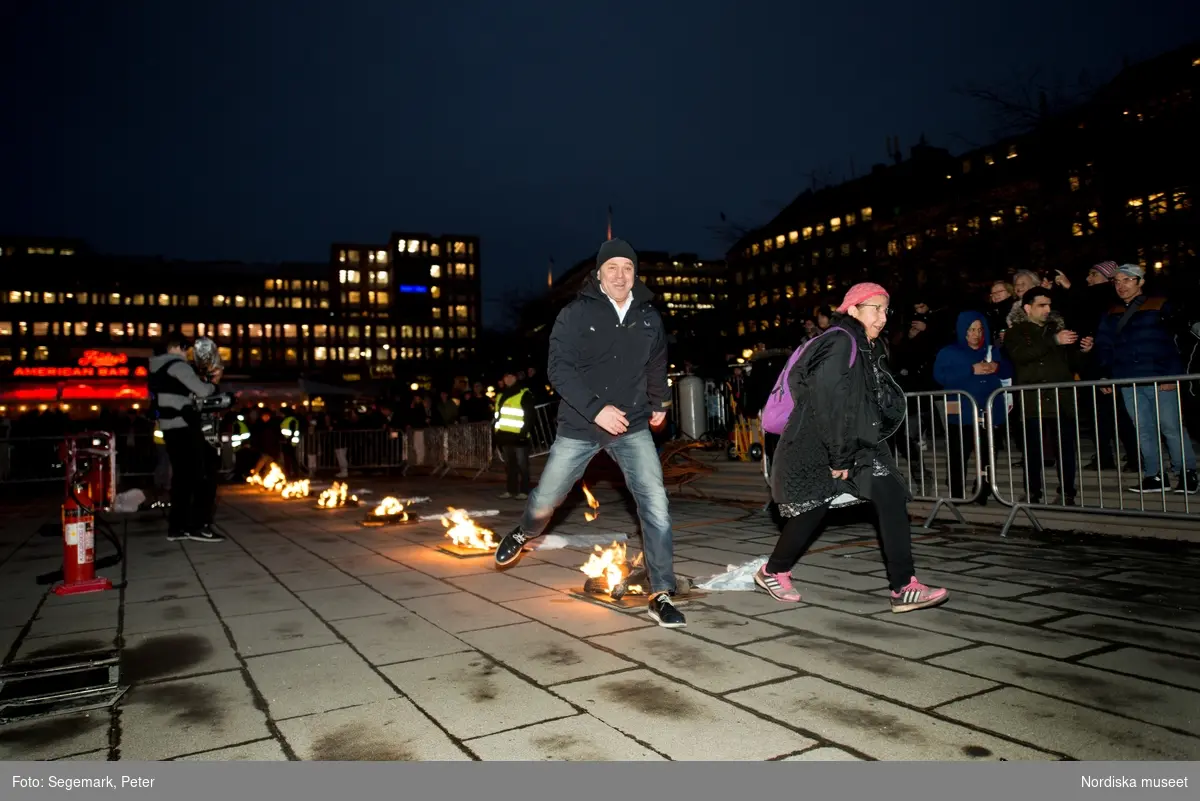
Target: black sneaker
176	536
1149	484
1188	483
204	534
663	612
511	547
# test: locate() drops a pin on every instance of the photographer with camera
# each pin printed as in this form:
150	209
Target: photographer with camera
177	388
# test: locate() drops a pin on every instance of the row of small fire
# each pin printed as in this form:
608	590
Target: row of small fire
607	569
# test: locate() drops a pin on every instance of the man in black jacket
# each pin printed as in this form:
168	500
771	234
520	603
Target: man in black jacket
608	362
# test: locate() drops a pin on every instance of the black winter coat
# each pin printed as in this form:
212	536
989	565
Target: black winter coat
596	359
840	419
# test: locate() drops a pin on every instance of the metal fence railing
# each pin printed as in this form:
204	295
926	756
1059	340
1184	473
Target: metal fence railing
1055	427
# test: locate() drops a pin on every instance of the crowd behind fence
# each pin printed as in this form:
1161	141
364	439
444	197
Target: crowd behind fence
1028	448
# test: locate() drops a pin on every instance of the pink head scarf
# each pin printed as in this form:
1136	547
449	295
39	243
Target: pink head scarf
860	292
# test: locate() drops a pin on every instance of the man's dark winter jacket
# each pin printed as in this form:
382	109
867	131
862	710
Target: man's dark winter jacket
1143	347
1039	359
597	360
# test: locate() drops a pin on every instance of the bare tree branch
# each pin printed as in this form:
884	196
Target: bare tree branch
1028	99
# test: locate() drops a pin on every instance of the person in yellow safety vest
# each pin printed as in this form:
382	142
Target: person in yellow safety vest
290	429
240	433
513	424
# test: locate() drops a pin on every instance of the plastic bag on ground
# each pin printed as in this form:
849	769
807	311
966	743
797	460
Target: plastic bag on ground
551	542
735	578
129	501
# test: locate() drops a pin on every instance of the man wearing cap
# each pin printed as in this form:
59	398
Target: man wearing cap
1134	341
608	363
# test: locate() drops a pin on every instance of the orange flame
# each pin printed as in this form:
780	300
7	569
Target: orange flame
296	489
389	507
465	534
592	502
336	495
274	480
607	562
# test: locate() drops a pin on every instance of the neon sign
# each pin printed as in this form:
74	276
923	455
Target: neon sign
92	364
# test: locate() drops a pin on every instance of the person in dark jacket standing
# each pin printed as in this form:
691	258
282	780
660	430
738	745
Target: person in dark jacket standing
175	385
513	422
846	405
1134	341
608	363
1043	353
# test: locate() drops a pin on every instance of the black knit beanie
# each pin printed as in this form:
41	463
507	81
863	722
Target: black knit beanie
616	249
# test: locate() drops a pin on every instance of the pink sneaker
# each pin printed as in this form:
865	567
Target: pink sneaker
917	596
779	585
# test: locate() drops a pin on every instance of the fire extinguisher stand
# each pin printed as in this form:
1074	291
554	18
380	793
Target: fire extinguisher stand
79	525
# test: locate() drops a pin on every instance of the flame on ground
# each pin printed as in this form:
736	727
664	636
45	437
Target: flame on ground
336	495
296	489
592	502
464	533
274	480
390	507
254	479
607	563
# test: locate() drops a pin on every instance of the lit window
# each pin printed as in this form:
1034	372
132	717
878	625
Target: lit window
754	249
460	269
793	238
6	330
353	256
382	277
341	258
835	224
81	329
355	297
381	257
1181	200
297	303
1012	152
1076	229
851	219
437	332
414	245
997	220
320	353
114	299
780	241
437	312
381	298
988	159
1094	220
226	330
256	331
866	214
14	296
820	229
460	247
435	271
435	292
893	247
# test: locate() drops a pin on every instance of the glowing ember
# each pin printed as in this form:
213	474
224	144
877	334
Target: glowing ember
336	495
607	563
274	480
254	479
390	507
296	489
592	502
464	533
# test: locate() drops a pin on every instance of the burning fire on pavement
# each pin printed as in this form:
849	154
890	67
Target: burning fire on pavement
592	502
464	533
336	496
608	572
389	510
296	489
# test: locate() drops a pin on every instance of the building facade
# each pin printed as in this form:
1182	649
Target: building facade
407	307
1112	179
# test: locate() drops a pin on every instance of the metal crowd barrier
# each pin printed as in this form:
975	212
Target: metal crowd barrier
468	448
371	449
936	446
1080	419
542	432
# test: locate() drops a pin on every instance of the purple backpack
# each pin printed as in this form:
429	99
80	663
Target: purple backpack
779	405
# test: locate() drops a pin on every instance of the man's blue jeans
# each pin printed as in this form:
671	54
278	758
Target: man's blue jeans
1155	423
637	457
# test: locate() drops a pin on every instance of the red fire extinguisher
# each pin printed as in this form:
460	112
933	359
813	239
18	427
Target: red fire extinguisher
79	543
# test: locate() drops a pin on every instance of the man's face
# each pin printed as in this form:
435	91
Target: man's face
921	308
975	335
1094	277
809	326
1127	286
1039	311
616	278
509	380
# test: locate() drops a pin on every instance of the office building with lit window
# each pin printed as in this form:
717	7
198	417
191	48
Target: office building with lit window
1112	179
407	307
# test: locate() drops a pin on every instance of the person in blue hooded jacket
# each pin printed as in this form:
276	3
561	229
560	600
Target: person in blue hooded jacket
971	365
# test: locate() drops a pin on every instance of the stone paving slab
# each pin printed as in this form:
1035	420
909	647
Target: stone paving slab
307	636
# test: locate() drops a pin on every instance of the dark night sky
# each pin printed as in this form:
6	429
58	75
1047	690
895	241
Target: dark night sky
266	130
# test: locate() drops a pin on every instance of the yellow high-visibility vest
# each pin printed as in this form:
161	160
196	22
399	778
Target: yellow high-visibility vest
290	428
510	417
241	433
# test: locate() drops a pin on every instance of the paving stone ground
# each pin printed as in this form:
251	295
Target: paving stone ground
307	636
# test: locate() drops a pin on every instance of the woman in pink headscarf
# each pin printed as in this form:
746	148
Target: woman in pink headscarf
845	406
